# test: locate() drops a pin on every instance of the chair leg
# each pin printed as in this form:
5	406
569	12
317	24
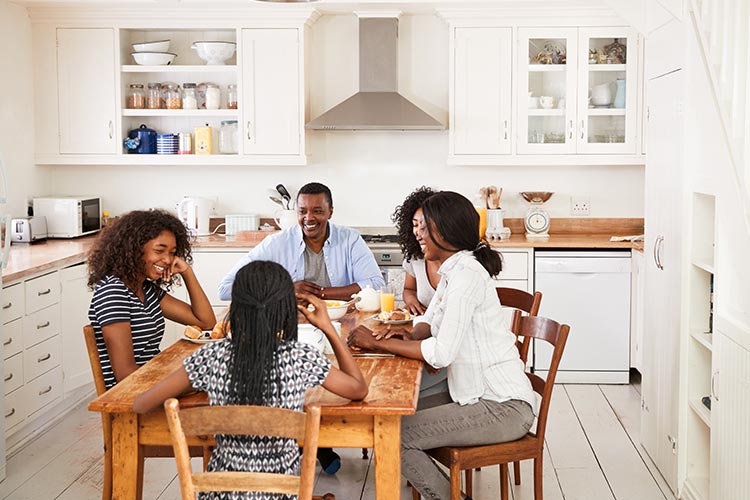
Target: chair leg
207	450
504	482
415	494
364	454
107	434
517	472
455	474
139	484
469	480
538	478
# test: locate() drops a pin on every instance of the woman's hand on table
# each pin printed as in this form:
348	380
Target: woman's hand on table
414	306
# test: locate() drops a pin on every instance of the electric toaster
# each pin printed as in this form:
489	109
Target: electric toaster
28	229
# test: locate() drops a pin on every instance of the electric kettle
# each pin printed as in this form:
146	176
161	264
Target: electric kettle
195	213
141	140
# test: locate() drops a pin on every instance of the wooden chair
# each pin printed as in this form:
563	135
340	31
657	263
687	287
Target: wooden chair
244	420
526	302
531	446
148	451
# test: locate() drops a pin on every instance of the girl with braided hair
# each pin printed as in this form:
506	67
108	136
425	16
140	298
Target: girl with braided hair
261	363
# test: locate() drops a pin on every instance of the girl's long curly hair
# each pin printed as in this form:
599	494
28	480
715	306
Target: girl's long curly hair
263	315
402	218
118	251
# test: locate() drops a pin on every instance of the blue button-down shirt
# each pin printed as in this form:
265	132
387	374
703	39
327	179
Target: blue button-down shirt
347	258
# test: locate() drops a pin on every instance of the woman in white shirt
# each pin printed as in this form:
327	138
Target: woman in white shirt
489	398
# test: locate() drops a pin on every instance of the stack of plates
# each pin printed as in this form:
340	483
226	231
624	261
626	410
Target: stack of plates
167	144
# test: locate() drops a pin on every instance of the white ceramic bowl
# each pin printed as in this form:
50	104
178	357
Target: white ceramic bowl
335	308
308	334
159	46
153	58
214	53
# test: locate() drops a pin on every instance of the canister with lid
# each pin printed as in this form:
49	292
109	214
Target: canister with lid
136	96
213	96
185	143
228	137
189	96
153	96
231	96
172	96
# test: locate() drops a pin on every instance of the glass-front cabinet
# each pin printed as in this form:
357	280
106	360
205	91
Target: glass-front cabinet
573	90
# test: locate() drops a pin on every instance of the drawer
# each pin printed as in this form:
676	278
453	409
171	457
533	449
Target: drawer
42	292
41	358
515	266
13	369
41	325
43	390
12	302
12	338
14	409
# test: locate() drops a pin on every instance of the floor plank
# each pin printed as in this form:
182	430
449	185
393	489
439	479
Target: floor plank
550	485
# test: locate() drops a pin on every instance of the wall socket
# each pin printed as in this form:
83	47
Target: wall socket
580	206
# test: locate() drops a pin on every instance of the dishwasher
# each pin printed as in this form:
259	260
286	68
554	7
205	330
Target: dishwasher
590	291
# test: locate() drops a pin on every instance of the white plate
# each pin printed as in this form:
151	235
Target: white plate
206	339
391	321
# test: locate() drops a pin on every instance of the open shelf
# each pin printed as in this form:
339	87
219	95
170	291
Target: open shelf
703	413
607	67
703	338
179	68
605	111
698	487
545	68
206	113
546	112
706	265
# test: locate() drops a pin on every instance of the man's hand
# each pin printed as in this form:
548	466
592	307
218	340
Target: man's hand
363	338
388	331
308	288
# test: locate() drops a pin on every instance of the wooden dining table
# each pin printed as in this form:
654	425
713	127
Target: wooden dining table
374	422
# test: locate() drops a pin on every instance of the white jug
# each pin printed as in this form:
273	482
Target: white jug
195	213
369	299
285	218
601	95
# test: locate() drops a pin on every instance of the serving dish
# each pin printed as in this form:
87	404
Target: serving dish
214	52
153	58
157	46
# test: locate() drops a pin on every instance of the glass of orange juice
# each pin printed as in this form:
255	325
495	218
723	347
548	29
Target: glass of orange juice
387	298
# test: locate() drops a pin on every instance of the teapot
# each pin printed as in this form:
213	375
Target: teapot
141	140
369	299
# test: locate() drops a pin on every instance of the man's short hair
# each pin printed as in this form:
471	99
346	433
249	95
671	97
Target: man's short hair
316	188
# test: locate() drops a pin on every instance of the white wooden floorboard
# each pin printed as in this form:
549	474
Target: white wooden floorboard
525	491
625	400
88	486
349	481
623	467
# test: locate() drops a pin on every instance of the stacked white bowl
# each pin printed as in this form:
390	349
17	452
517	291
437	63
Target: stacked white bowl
153	53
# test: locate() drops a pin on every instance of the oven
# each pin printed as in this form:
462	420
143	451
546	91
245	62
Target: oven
389	257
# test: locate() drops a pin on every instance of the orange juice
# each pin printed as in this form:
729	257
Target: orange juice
482	221
387	299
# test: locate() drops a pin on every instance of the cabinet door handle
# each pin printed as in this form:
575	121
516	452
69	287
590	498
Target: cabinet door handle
111	129
583	125
249	135
8	342
713	387
8	377
10	413
43	325
41	359
659	249
45	391
505	132
570	130
45	292
8	305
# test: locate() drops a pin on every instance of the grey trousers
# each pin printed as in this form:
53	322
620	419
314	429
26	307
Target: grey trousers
441	422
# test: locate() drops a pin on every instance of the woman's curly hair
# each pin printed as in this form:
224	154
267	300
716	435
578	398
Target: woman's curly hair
402	218
118	251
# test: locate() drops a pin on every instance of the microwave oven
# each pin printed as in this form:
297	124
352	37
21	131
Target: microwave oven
70	216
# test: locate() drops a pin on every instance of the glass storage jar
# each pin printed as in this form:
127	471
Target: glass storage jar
189	96
153	96
171	95
213	96
229	137
231	96
136	96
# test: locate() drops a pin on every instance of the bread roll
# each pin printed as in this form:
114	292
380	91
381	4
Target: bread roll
220	330
193	332
397	315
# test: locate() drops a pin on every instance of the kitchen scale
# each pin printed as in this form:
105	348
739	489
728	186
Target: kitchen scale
537	219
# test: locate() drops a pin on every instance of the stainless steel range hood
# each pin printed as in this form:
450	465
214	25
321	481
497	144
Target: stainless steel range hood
377	105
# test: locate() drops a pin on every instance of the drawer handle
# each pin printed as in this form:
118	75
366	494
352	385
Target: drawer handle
8	342
43	358
45	391
48	290
10	376
43	325
8	305
10	413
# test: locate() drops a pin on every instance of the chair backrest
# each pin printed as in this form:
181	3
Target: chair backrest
526	302
244	420
556	334
96	363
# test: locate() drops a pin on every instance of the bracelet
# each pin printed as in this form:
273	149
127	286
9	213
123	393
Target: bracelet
322	293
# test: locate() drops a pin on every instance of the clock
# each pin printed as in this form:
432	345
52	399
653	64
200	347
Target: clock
536	222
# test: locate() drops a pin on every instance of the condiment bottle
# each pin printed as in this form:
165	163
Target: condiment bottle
189	97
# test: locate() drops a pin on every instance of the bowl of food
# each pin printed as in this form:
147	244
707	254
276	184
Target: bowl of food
158	46
214	53
336	308
153	58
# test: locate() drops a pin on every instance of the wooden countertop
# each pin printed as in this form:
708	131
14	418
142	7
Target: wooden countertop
28	259
588	241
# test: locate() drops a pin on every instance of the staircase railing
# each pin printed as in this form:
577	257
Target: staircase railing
723	27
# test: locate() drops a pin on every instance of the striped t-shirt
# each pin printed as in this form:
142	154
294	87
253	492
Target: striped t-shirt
113	302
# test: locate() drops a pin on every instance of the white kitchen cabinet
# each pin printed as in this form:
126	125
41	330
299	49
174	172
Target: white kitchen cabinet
273	92
636	310
86	91
569	104
518	269
75	299
480	92
662	275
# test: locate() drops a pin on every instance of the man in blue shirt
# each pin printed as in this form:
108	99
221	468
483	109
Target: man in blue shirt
325	260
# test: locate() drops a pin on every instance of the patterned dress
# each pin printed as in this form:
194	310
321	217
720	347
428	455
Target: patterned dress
297	368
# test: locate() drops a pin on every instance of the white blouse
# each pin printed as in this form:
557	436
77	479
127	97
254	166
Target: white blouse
418	269
471	337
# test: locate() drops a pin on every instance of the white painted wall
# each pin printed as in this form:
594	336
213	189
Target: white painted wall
368	172
16	105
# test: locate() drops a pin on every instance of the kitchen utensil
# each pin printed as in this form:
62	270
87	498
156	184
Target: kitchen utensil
195	213
492	197
153	58
141	140
484	193
537	220
158	46
284	194
214	53
277	200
